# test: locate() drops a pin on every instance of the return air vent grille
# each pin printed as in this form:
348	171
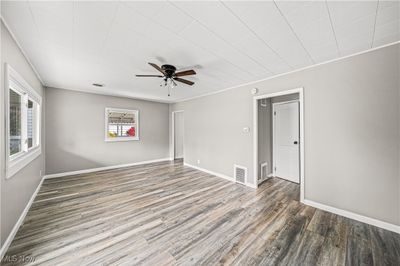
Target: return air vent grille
240	173
264	171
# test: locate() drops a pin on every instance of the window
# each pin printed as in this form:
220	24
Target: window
23	122
121	124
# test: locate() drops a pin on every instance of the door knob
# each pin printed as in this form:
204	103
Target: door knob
295	142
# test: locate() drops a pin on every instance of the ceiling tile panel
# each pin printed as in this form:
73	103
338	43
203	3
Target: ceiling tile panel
344	12
146	8
176	22
353	22
387	28
268	24
199	35
220	21
92	22
311	23
58	10
19	16
142	26
54	22
387	33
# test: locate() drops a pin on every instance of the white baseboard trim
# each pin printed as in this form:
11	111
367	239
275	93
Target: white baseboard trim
84	171
217	174
251	185
354	216
209	172
265	179
21	219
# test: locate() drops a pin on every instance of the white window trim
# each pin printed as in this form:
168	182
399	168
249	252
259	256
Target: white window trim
18	161
116	139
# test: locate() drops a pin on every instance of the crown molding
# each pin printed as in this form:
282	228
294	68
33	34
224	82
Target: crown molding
112	94
21	49
286	73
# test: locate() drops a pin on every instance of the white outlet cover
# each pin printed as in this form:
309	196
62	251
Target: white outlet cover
246	129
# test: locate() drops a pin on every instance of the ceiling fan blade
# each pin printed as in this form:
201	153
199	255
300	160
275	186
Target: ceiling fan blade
185	73
188	82
157	67
157	76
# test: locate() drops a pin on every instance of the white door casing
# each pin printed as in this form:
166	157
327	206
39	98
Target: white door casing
286	142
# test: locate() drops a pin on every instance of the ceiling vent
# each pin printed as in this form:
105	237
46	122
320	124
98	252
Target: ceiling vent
98	85
240	173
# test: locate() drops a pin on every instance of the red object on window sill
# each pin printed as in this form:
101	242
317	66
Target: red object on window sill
131	132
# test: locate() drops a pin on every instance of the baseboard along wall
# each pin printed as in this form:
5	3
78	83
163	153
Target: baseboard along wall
354	216
84	171
230	178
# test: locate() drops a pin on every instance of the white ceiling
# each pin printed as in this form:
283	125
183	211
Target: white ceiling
73	44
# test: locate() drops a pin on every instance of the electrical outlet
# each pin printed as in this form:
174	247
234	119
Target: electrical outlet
198	161
40	173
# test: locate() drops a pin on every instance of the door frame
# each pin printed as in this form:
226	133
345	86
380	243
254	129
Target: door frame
173	133
300	91
273	134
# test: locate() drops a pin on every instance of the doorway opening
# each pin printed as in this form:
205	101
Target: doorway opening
279	137
178	134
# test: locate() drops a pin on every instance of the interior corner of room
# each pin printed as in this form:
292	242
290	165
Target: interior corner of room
312	139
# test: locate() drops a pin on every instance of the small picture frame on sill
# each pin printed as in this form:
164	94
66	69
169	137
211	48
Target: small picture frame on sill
121	124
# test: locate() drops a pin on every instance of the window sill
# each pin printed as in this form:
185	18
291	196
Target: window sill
120	139
21	161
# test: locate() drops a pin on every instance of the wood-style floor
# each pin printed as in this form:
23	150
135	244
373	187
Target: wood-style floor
168	214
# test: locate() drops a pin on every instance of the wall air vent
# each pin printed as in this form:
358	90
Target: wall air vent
240	173
264	171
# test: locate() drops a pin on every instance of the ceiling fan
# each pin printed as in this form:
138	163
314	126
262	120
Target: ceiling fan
170	75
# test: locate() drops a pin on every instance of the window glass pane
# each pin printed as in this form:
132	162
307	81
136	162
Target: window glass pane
121	124
15	122
30	124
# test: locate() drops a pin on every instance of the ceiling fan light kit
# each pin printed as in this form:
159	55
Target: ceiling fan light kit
170	75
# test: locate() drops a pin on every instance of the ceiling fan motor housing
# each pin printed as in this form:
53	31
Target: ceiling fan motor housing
169	70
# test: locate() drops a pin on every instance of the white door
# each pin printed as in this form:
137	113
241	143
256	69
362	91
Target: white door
286	144
178	135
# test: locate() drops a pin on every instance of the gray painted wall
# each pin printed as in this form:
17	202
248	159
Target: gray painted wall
178	131
16	191
75	128
351	131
